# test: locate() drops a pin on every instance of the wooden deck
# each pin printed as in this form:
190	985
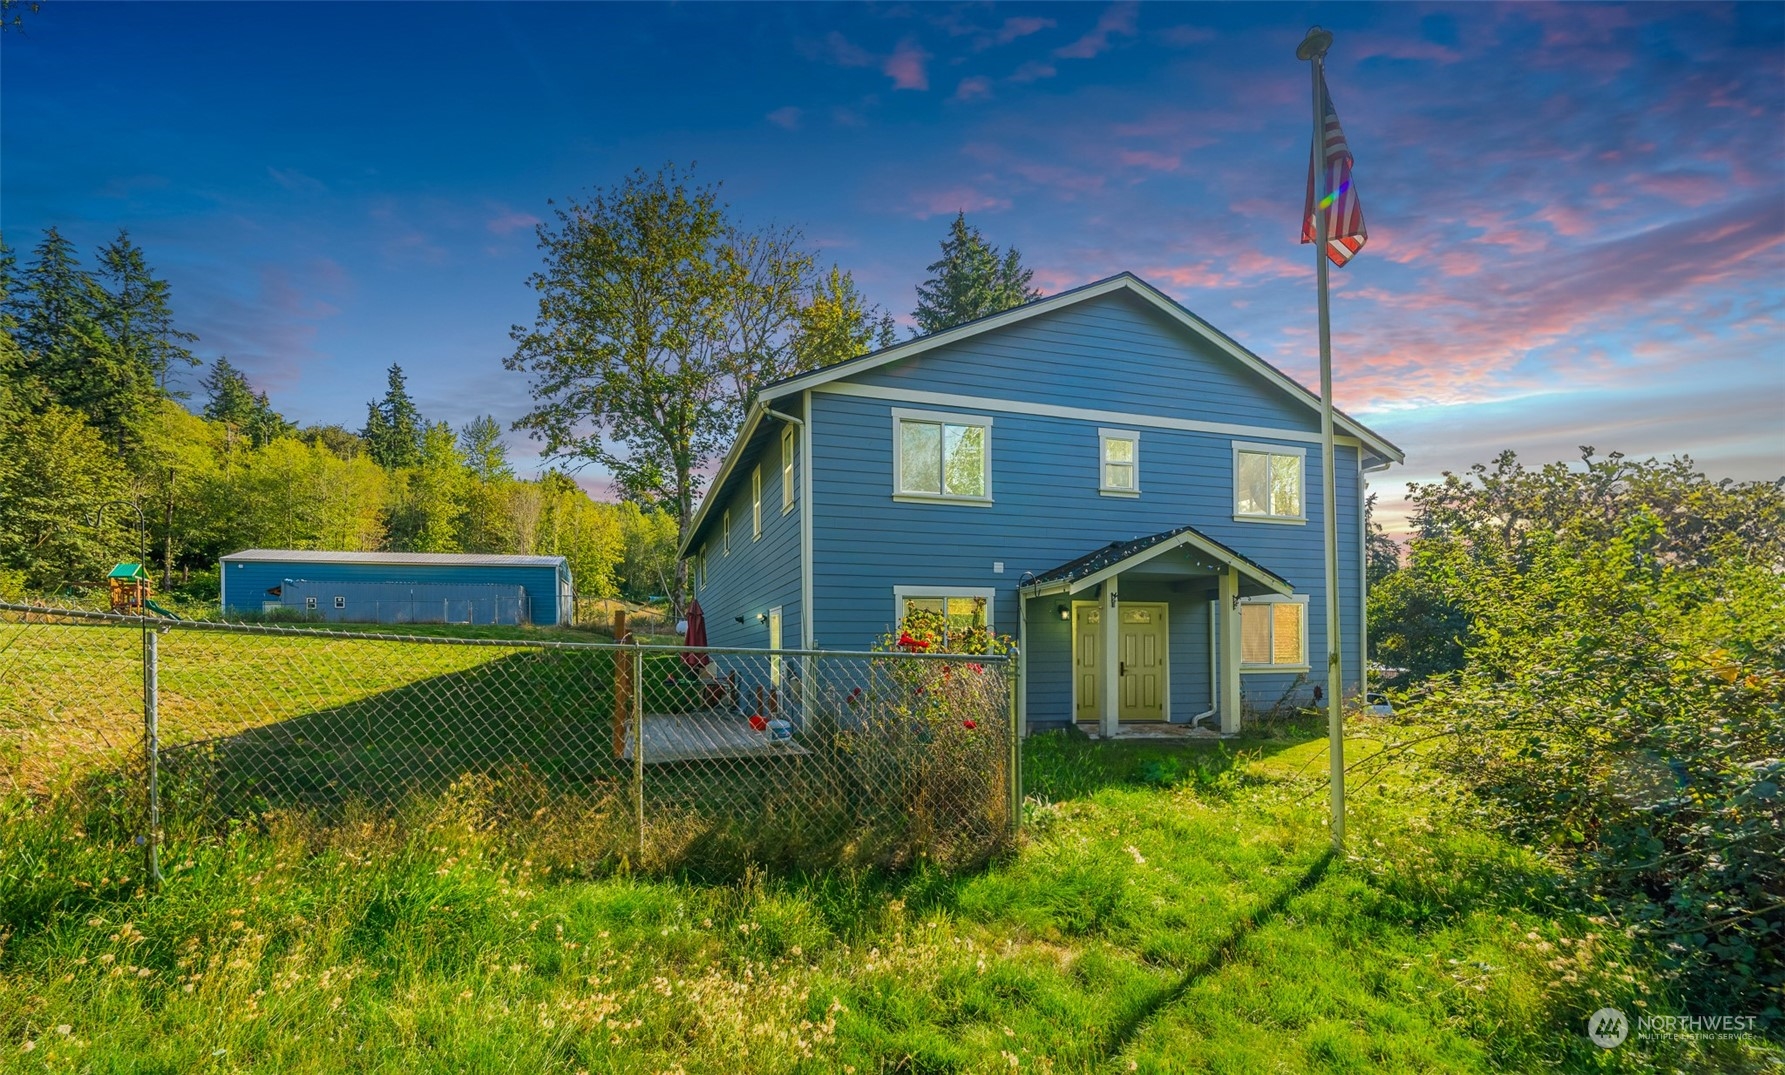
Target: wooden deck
674	737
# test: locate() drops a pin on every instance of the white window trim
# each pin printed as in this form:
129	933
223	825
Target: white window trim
1270	449
725	533
787	465
901	594
1279	599
1104	436
756	503
901	414
340	602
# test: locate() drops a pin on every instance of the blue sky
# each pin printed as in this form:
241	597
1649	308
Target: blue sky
1577	212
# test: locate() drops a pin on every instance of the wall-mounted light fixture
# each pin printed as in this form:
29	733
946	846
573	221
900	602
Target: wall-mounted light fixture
762	617
1064	611
740	619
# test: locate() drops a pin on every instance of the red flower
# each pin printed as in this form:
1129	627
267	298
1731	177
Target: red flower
969	725
757	722
976	669
907	642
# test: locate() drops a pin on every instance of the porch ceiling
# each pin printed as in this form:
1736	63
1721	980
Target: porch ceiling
1181	553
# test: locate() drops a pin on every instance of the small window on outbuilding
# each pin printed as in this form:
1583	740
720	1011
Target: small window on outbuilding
309	604
340	602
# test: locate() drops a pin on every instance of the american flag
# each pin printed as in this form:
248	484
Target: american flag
1345	232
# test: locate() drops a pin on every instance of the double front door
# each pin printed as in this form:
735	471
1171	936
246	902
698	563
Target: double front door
1141	664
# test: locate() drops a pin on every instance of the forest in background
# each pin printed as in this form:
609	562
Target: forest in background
93	429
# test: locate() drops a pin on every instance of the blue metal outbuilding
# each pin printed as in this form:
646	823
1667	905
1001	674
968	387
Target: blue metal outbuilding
399	587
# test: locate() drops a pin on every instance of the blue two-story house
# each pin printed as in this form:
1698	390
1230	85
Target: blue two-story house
1097	473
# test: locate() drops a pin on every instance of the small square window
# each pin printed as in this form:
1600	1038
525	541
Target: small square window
1118	462
310	604
340	602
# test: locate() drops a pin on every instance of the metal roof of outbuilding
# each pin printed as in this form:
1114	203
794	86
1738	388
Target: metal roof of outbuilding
412	559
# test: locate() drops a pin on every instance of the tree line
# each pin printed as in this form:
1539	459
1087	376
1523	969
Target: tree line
102	459
661	316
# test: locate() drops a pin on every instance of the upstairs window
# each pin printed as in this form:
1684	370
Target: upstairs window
1267	483
756	504
1274	633
1118	452
787	470
942	456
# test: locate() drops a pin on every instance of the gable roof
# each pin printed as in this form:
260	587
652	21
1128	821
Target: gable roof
1121	282
1125	281
1118	556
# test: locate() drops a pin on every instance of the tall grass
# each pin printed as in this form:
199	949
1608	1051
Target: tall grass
1173	909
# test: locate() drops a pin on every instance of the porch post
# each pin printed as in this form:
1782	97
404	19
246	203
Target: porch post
1228	592
1110	680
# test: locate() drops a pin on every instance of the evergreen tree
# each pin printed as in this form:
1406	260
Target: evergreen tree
133	308
19	394
481	444
228	396
433	504
971	280
394	427
67	349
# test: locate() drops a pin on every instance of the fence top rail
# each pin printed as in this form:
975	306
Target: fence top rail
120	620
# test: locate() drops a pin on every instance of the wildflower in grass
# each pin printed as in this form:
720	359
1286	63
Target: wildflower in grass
64	1030
969	724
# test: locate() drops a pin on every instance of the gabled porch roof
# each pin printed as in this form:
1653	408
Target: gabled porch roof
1200	555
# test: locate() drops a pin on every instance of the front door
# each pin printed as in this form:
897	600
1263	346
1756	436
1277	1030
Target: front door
1141	643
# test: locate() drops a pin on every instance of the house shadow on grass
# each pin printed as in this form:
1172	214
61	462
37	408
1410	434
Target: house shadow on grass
526	741
546	712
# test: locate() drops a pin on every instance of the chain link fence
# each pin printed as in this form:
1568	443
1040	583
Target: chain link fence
652	756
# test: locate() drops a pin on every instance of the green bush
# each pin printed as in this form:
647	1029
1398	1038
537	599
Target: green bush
1623	702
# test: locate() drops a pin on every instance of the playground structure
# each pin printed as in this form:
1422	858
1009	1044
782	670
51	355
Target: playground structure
131	591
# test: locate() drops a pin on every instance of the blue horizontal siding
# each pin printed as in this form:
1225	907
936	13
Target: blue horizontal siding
246	582
1115	352
758	574
1046	511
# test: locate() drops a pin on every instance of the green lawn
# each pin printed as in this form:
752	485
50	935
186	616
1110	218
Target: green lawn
1173	908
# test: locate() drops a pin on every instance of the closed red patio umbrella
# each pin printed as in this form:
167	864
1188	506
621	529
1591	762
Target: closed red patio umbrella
696	636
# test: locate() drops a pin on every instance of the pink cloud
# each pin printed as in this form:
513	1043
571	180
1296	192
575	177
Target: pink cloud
1142	158
1033	71
906	67
973	88
510	220
1116	19
1407	49
951	200
1020	26
786	117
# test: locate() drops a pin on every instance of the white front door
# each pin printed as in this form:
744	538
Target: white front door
1142	660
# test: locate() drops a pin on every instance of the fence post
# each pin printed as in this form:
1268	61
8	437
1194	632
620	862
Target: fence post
638	744
1011	671
622	687
152	755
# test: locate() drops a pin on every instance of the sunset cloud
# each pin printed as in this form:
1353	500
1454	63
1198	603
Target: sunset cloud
1116	19
906	67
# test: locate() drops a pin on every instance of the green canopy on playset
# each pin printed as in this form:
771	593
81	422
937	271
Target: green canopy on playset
128	571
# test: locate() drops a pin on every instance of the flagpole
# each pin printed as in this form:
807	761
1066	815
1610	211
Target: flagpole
1313	49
